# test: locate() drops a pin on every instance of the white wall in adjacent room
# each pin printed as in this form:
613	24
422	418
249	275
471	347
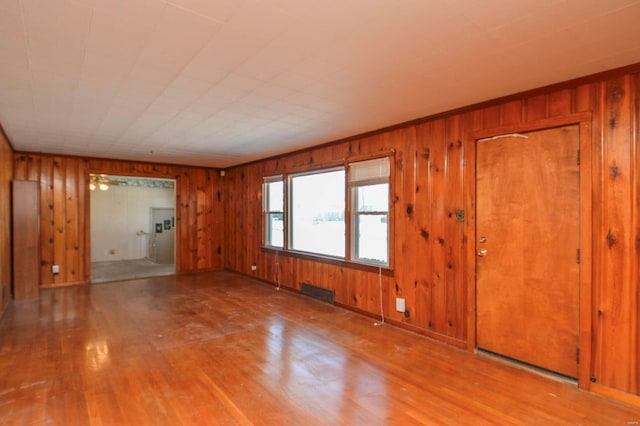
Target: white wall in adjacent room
118	214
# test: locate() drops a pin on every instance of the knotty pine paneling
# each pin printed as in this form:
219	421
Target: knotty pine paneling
6	175
617	238
434	174
64	211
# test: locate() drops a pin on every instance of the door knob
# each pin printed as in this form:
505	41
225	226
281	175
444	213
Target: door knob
482	252
483	239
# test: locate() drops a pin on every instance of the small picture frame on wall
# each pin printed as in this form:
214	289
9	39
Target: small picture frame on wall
167	224
158	228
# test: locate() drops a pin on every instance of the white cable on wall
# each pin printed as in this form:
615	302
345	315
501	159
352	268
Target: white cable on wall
277	273
381	304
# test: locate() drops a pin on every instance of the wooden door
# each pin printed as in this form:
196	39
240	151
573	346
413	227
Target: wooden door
26	239
527	242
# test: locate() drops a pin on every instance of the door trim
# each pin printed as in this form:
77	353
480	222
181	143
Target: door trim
129	173
583	121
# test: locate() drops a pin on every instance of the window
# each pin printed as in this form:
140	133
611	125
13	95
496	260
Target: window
340	212
369	182
273	201
317	212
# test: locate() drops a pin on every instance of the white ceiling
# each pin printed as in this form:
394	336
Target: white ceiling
222	82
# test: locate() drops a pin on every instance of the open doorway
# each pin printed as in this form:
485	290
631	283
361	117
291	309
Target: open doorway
132	227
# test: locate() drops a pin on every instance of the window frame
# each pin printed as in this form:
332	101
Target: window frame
350	257
355	220
267	213
288	217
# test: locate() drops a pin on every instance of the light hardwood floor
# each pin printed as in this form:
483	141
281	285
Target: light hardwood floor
220	348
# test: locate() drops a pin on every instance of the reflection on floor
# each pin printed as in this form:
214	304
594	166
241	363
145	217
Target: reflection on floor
182	349
127	269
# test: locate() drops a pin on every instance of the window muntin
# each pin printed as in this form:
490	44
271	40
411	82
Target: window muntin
273	200
369	181
317	212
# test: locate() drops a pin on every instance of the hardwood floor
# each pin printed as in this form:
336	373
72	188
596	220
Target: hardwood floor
220	348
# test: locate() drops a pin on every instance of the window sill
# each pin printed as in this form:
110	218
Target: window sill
367	267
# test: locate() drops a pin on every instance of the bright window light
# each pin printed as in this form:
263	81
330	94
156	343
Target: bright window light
369	181
317	222
274	211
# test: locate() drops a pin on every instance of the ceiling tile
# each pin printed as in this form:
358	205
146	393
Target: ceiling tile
219	10
220	82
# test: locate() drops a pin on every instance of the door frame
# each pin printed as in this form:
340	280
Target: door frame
583	121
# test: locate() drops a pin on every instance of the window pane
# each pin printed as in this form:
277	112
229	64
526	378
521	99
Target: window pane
371	229
373	198
317	213
275	196
371	237
274	217
275	230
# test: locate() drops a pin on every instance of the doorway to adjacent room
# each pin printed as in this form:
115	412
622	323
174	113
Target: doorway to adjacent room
132	227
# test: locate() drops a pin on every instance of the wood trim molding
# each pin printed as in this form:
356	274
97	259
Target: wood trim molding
371	156
615	394
3	134
585	303
531	126
307	168
386	270
89	160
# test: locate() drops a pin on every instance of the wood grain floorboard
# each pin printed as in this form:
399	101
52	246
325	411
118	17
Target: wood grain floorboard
221	348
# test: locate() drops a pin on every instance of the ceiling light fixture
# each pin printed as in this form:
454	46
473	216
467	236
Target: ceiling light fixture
98	182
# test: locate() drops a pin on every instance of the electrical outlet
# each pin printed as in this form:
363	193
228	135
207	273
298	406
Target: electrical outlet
400	305
55	269
254	267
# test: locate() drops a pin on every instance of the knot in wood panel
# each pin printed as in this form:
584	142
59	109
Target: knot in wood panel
611	239
614	171
616	93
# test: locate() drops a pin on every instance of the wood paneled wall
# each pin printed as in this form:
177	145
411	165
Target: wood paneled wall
64	212
616	242
434	162
6	175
